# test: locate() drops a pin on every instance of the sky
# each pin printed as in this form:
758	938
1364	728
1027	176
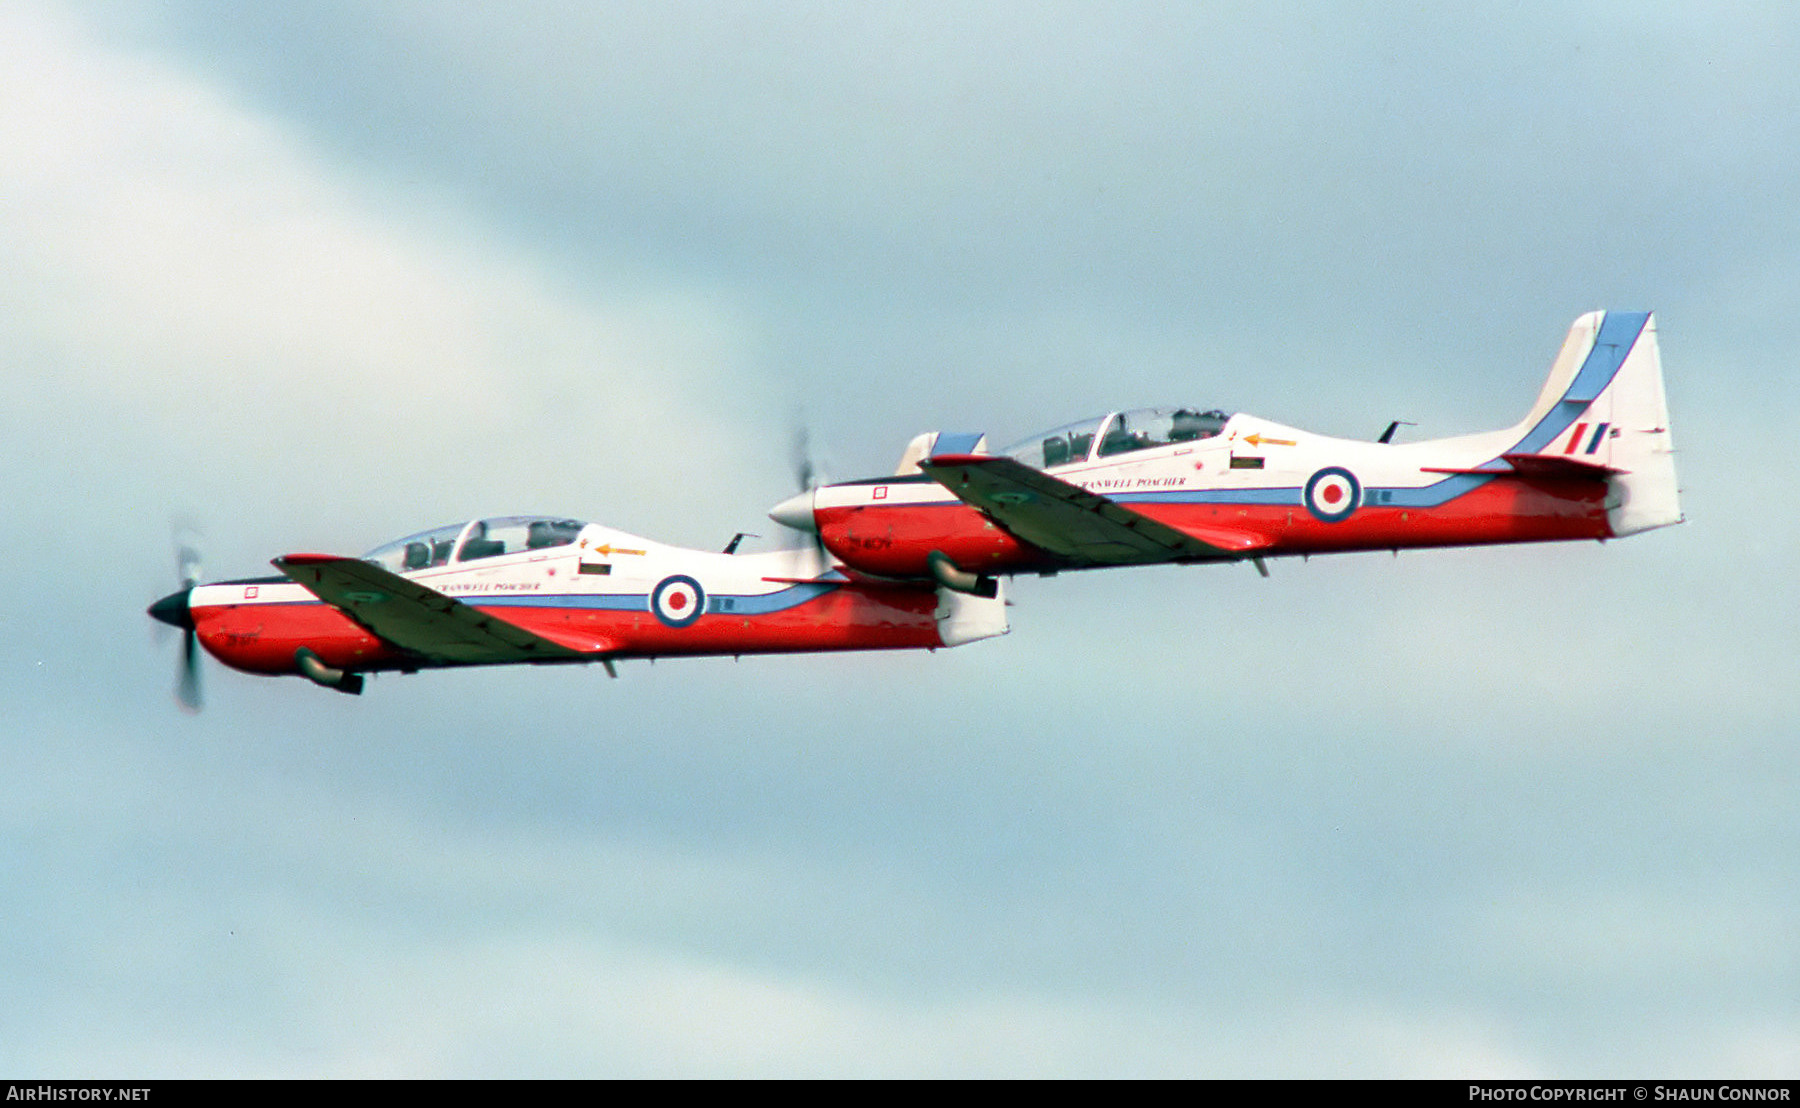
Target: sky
315	275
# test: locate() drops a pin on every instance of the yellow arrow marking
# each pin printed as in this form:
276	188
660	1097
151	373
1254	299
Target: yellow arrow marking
1258	440
615	550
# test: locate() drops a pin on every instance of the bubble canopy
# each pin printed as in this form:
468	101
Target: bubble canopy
476	539
1117	433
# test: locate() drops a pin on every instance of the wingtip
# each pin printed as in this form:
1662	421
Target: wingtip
306	560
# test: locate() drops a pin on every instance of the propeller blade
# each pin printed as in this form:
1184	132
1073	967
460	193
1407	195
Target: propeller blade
176	611
796	512
187	563
187	688
806	469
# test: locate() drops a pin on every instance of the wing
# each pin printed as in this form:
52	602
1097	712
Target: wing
1072	522
420	619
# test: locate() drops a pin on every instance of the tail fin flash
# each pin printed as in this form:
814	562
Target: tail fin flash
1603	405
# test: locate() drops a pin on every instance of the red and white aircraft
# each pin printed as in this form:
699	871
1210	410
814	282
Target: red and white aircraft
548	590
1591	460
916	559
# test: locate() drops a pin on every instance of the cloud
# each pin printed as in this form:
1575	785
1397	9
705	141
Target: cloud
185	270
323	275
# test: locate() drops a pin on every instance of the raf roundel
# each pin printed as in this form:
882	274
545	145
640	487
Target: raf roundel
678	601
1332	494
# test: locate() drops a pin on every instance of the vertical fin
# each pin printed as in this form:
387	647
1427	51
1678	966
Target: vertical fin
1603	404
932	443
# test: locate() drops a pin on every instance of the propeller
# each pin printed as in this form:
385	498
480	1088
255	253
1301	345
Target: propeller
796	512
804	466
175	610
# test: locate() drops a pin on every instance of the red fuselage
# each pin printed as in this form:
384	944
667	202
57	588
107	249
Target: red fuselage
263	637
894	538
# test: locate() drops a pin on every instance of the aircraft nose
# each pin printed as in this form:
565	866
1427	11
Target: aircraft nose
173	610
796	512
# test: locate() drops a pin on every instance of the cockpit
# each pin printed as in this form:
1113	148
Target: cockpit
467	542
1118	433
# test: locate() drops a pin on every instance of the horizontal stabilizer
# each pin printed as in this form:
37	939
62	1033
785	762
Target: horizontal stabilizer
1552	467
1540	467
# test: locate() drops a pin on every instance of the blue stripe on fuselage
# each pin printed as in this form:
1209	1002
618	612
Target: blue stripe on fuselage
755	604
1428	496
